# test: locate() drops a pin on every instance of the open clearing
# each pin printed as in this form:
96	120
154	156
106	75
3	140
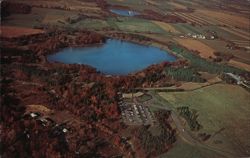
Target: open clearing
243	35
91	24
192	18
137	25
182	149
165	26
152	2
189	86
220	106
39	16
205	51
240	65
226	18
186	28
220	46
38	108
177	5
10	32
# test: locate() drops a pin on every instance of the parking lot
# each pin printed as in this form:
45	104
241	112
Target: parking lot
136	114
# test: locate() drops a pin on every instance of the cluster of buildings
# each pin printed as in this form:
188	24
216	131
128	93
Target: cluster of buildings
136	114
198	36
57	129
239	80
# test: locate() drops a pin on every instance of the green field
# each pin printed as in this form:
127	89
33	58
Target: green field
186	28
134	25
91	24
182	149
223	108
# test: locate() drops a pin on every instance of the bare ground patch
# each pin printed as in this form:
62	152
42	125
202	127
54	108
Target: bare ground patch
205	50
240	65
165	26
10	31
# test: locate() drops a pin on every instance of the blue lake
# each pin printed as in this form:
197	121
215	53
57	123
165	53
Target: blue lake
114	57
124	12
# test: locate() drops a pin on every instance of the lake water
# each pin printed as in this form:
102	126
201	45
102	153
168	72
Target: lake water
114	57
124	12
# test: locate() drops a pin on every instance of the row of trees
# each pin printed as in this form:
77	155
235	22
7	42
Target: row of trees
184	74
157	144
8	8
191	117
153	15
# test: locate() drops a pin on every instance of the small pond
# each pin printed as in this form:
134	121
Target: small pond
114	57
124	12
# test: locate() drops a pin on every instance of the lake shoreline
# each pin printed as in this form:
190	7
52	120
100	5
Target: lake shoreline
114	57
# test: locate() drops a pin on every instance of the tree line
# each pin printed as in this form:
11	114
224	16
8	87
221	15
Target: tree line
157	144
191	117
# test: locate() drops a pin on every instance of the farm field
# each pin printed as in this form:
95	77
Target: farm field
219	107
90	24
137	25
205	51
11	32
240	65
220	46
186	28
241	59
167	27
177	5
236	32
38	17
226	18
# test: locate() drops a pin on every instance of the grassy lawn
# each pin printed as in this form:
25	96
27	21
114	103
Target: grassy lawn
219	106
143	98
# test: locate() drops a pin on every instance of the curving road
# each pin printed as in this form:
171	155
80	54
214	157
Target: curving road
185	134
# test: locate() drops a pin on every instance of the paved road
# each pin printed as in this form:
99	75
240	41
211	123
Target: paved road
178	89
